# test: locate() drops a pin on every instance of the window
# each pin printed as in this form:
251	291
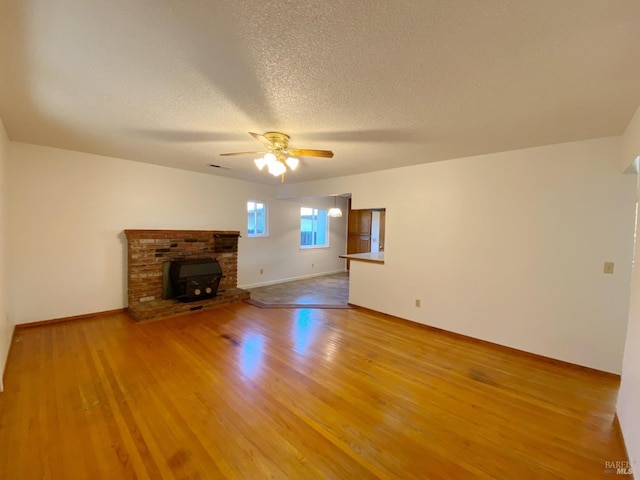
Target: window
256	219
314	228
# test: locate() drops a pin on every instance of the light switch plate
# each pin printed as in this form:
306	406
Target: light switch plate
608	267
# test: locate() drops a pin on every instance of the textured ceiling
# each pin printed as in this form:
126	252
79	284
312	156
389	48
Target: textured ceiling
381	83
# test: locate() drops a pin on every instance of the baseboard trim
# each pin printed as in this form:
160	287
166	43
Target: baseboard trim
291	279
497	346
6	360
259	304
22	326
620	432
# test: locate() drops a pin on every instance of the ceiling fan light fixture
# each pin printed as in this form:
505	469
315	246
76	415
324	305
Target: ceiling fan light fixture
292	162
277	168
260	163
277	160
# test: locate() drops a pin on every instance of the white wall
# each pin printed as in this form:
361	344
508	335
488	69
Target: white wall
280	256
629	395
69	209
6	325
507	247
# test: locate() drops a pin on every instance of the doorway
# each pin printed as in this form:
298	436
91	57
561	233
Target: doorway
365	231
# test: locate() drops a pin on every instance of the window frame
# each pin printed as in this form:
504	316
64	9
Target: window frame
314	223
266	219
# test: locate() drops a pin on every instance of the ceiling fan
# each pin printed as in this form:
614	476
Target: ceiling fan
279	156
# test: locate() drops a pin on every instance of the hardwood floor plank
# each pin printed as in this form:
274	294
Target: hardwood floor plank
241	392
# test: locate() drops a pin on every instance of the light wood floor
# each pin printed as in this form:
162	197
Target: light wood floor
249	393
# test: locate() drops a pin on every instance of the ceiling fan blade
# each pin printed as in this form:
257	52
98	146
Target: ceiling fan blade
240	153
262	139
310	153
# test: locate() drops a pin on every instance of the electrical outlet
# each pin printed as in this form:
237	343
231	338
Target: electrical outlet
608	267
261	271
417	302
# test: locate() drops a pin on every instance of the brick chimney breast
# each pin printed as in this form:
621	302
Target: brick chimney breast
147	252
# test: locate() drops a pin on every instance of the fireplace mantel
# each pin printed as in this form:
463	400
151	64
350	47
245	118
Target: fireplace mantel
149	250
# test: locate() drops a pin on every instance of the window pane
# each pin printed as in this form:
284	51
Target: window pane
251	218
256	219
321	227
260	219
313	227
306	227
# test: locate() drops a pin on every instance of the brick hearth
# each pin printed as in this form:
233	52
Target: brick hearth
148	250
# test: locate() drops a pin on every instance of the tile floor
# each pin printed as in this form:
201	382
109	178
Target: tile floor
327	291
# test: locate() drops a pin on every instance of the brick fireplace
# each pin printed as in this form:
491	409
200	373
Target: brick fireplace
149	250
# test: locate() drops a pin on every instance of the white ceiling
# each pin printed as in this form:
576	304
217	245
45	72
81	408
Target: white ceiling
381	83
